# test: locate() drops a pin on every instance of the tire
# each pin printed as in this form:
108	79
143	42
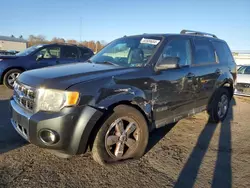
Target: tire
107	151
11	74
214	114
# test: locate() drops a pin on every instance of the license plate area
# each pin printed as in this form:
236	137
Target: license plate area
21	124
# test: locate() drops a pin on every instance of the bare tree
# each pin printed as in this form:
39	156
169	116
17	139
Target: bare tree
71	41
41	39
57	40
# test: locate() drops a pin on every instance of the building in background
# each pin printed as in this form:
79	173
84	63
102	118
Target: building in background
12	43
242	57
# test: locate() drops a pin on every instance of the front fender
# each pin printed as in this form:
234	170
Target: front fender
135	97
92	114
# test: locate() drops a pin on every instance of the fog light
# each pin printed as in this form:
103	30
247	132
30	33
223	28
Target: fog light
49	136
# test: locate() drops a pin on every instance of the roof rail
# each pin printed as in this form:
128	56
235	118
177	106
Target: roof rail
184	31
63	43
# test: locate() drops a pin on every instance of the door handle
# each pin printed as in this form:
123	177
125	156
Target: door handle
190	75
218	71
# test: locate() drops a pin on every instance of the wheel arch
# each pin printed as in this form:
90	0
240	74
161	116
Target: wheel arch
10	68
227	83
108	111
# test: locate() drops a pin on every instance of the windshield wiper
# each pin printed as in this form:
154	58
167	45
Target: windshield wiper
107	62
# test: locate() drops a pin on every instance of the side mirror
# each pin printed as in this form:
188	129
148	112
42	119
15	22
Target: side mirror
168	63
39	57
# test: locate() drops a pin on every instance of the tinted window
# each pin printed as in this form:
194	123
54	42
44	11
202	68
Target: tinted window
49	52
244	70
85	52
223	52
69	52
247	71
204	52
180	48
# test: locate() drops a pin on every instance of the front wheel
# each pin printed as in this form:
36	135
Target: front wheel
10	77
124	135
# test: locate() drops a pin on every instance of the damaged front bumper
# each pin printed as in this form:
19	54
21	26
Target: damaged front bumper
69	129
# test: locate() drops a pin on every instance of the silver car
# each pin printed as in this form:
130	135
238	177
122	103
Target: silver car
242	86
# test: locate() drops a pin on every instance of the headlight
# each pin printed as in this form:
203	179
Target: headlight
55	100
1	59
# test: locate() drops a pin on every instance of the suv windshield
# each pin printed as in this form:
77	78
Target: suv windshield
128	51
28	50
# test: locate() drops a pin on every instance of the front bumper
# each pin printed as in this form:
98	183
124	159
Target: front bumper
73	126
236	92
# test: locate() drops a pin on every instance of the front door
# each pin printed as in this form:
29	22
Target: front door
174	94
49	56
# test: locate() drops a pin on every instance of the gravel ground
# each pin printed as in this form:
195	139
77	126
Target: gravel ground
191	153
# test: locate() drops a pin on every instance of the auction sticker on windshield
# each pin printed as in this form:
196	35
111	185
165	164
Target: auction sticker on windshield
149	41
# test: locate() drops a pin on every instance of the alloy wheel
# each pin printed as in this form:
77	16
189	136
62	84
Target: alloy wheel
121	139
222	106
12	78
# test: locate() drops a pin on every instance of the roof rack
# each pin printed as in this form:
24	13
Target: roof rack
184	31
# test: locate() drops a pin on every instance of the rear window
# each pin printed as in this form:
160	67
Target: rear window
85	52
204	52
223	52
69	52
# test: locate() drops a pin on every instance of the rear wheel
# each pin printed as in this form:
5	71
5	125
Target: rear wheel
220	106
124	135
10	77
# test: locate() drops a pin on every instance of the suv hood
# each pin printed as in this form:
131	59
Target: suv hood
64	76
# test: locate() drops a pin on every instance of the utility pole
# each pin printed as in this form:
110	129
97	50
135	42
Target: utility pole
96	47
80	29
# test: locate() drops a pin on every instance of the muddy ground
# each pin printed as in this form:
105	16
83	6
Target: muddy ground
191	153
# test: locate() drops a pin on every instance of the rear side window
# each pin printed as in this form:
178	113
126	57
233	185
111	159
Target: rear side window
204	52
69	52
223	52
85	52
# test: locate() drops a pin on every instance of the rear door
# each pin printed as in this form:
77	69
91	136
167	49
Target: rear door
206	69
69	54
225	57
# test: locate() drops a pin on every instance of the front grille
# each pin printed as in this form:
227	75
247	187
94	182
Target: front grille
25	96
242	85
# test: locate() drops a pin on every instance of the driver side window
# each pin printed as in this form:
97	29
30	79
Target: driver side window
49	52
180	48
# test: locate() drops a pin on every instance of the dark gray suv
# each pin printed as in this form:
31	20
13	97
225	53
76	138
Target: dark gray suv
132	86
